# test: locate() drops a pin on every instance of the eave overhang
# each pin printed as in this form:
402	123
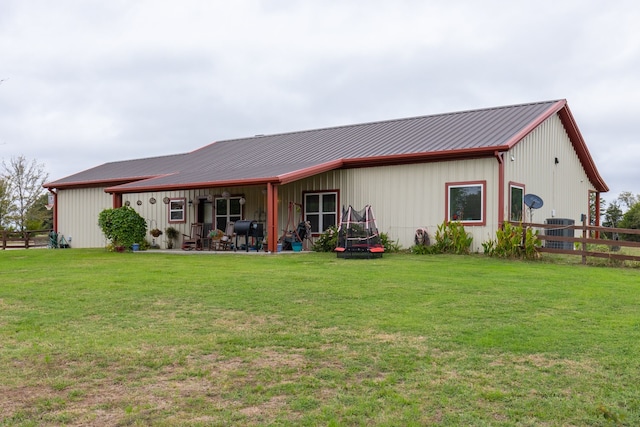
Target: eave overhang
562	109
299	174
96	183
190	185
581	149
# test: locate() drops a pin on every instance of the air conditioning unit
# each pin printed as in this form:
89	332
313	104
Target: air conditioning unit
561	232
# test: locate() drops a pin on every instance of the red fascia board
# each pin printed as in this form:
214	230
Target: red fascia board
535	123
581	149
96	183
310	171
562	109
394	159
323	167
191	185
399	159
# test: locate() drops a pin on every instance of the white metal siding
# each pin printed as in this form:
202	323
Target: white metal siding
78	211
404	197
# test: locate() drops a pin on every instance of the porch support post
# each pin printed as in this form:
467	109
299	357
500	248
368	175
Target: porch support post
597	218
55	209
272	217
117	200
501	214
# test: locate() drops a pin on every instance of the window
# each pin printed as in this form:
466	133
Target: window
176	210
321	210
227	210
516	202
465	202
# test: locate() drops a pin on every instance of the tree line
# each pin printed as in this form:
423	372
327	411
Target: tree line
623	212
23	200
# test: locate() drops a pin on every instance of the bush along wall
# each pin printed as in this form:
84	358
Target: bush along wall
123	227
450	238
513	241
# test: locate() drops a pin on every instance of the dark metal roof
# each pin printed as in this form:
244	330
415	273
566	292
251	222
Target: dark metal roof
288	156
123	171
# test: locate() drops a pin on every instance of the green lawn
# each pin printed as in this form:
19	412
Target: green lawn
96	338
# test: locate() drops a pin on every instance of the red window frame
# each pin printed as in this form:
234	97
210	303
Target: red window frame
483	209
181	200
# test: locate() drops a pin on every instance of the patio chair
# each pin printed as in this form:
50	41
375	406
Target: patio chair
193	240
225	241
215	240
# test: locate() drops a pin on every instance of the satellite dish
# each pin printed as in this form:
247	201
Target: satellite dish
533	202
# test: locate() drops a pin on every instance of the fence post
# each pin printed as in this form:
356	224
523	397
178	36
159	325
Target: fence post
4	240
584	239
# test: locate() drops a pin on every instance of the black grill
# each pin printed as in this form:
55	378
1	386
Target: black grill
248	228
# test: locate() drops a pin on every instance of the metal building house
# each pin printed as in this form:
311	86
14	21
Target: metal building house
472	166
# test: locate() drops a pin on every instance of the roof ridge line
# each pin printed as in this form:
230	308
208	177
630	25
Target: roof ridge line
144	158
400	119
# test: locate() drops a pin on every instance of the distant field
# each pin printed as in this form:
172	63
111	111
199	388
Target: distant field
96	338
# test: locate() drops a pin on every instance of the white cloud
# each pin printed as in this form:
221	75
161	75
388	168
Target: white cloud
96	81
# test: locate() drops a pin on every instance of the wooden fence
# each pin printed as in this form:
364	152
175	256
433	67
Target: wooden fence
24	239
556	240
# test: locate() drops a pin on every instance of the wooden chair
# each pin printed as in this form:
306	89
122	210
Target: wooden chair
225	241
215	240
194	240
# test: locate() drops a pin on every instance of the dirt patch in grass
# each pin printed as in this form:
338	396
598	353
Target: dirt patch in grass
271	359
265	409
541	361
208	383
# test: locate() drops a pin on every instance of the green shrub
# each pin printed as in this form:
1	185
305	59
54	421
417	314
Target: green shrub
327	241
452	238
389	245
172	235
509	243
422	249
122	226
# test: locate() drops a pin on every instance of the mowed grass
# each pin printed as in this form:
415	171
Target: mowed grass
96	338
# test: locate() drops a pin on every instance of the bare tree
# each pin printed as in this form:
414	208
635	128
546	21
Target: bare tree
628	199
5	203
23	182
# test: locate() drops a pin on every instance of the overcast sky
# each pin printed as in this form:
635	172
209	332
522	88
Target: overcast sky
88	82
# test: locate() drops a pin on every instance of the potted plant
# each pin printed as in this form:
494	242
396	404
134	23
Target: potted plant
155	232
172	234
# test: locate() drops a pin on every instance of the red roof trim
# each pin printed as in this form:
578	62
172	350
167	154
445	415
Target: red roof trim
310	171
535	123
320	168
433	156
562	109
190	186
99	183
581	149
